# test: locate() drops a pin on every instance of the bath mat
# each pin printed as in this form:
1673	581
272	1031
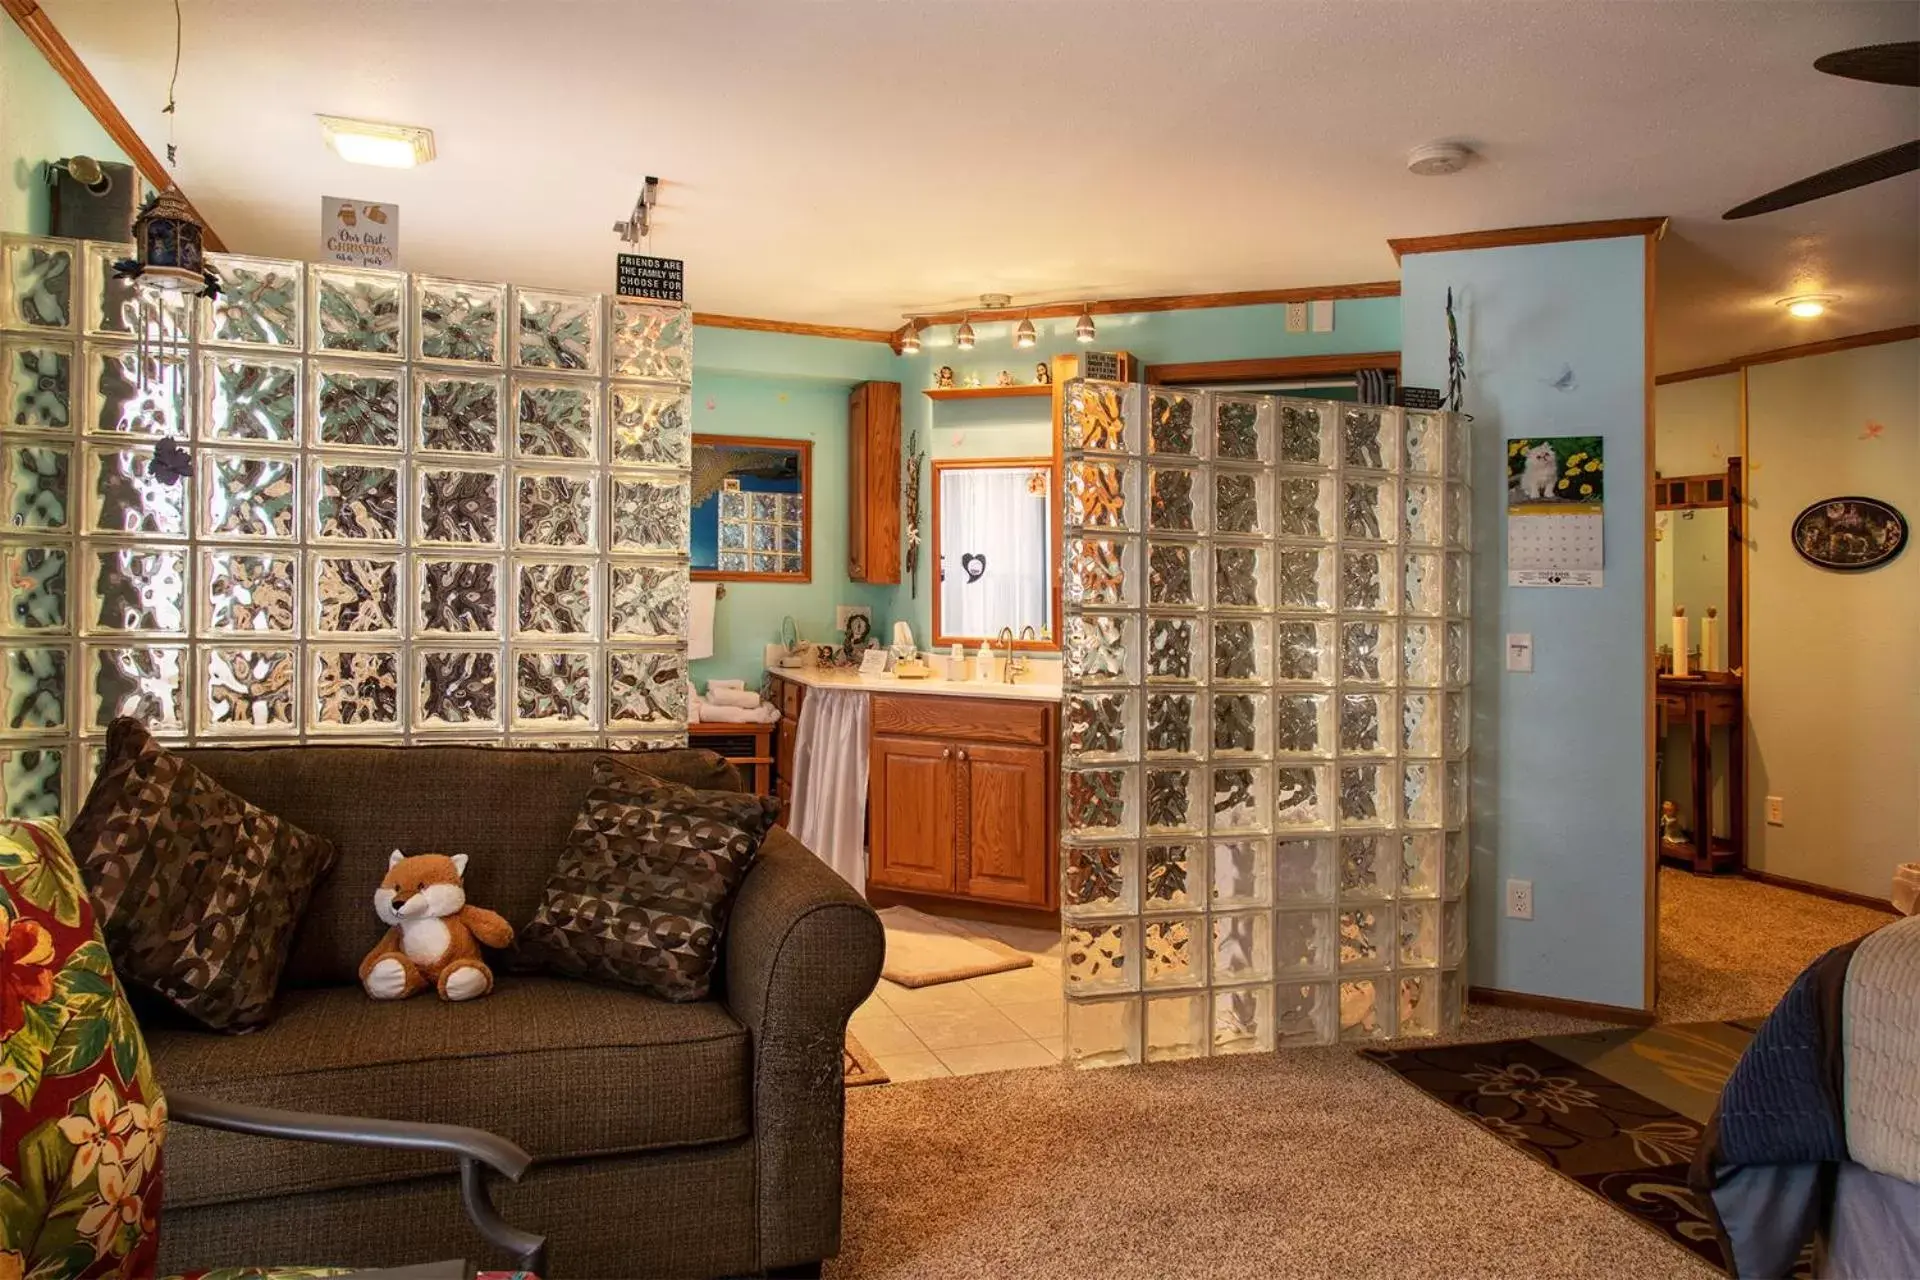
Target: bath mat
923	950
1619	1112
860	1067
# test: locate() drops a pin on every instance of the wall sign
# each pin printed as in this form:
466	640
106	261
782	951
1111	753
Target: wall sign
360	233
1421	398
1849	534
1100	366
635	275
1555	511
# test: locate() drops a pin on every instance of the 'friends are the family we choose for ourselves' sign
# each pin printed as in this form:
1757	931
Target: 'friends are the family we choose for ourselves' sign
359	233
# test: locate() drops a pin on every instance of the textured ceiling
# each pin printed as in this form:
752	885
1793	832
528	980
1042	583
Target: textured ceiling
843	161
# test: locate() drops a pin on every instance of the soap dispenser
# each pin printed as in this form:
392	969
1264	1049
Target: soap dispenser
983	666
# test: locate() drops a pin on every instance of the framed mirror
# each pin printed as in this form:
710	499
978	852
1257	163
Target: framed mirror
996	554
1699	558
752	509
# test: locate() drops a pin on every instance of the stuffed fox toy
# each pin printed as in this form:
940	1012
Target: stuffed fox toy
435	936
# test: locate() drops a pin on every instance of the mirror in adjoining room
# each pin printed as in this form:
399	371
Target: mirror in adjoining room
995	553
752	509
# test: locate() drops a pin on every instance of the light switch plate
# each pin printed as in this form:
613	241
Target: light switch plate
1320	316
1519	651
1776	811
1296	317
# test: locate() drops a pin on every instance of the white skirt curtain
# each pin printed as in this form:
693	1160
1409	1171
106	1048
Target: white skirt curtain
830	781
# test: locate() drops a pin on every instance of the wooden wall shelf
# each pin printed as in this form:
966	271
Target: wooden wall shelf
989	393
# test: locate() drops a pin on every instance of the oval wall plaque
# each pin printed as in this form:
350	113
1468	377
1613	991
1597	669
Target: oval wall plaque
1849	534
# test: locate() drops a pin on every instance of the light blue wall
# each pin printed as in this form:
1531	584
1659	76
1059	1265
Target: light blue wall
1559	755
795	388
1019	428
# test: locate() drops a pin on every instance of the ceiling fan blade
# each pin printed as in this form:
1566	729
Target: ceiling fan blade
1881	165
1876	63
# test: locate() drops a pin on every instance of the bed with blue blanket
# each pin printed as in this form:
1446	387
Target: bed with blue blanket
1816	1141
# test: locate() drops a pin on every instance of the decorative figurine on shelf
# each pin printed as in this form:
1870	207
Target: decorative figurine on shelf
944	379
1042	375
973	378
1670	832
1005	379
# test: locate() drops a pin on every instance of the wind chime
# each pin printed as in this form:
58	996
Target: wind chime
168	269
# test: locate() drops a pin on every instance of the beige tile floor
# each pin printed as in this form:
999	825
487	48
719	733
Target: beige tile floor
997	1023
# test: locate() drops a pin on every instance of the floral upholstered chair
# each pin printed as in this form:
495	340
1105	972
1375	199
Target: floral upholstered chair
83	1123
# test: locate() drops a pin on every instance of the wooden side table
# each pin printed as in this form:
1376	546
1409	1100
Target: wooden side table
1704	703
749	747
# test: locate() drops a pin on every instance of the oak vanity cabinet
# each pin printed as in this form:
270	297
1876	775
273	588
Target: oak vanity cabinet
962	797
873	483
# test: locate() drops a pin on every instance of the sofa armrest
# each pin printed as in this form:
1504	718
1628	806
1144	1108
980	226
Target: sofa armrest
802	951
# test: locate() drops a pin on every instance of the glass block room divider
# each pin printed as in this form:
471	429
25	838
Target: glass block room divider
1264	790
419	509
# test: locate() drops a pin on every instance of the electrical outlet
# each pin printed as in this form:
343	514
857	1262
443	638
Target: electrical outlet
1520	899
1296	317
1776	811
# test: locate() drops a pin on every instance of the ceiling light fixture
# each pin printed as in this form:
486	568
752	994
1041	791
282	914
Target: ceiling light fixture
1024	336
910	340
1806	306
963	336
1437	159
1083	330
387	146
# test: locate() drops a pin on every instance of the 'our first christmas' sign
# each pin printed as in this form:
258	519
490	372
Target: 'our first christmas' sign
360	233
638	276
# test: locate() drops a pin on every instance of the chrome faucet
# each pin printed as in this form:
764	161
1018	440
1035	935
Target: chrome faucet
1014	665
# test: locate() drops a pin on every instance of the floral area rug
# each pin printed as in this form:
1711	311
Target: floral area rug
1619	1111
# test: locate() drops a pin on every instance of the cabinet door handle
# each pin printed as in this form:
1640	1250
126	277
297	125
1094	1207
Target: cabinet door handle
963	753
946	753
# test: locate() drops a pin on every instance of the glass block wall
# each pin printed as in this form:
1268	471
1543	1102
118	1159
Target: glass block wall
1264	790
419	509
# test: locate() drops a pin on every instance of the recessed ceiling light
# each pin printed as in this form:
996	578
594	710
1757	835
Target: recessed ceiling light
1806	306
388	146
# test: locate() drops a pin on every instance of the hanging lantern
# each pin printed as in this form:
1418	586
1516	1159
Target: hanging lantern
168	252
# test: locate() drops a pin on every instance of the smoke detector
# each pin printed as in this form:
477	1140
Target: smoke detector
1438	158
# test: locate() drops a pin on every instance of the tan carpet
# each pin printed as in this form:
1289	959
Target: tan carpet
1306	1163
1730	947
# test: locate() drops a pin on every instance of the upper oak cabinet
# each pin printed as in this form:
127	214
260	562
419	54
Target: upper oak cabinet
873	483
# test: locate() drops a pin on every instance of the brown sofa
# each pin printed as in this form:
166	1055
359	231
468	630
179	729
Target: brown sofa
697	1139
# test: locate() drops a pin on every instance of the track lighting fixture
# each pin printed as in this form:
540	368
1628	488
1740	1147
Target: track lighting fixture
963	336
1083	330
1024	336
910	340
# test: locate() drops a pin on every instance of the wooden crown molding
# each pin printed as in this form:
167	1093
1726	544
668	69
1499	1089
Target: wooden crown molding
713	320
1824	347
39	28
1166	302
1551	233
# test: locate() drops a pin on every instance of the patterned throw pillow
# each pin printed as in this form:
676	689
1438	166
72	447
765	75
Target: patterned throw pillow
81	1120
642	893
198	891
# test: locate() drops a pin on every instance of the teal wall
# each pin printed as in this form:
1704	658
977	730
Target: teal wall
1023	428
40	121
794	388
1560	754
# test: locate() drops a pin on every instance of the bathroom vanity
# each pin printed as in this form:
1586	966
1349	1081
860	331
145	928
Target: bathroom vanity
962	787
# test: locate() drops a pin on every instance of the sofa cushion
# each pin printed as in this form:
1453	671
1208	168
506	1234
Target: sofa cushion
508	809
199	892
562	1068
642	893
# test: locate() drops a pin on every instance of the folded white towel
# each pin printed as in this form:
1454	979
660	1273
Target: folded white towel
710	714
745	699
693	703
726	684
